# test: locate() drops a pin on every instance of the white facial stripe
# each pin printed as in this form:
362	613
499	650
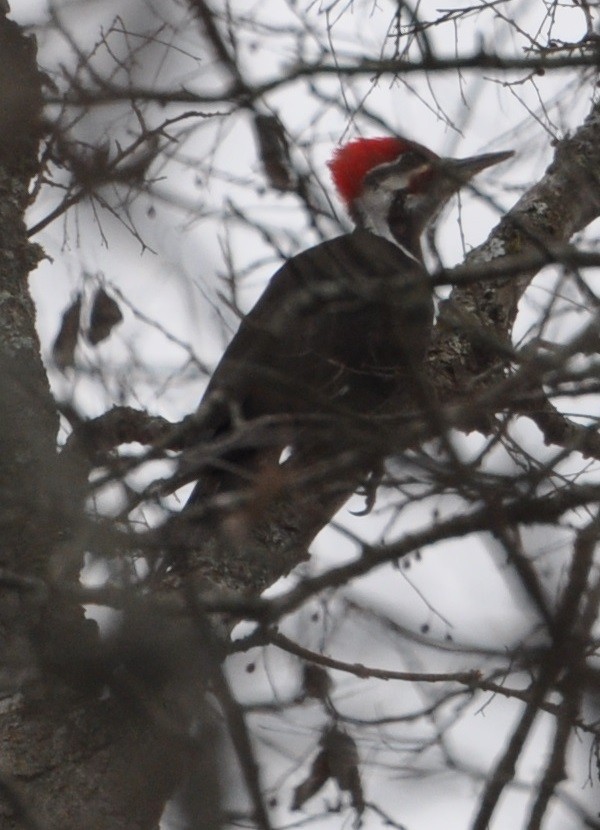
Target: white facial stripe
374	207
394	180
375	202
378	178
418	171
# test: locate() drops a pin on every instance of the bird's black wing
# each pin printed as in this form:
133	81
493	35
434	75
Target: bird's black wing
354	304
331	335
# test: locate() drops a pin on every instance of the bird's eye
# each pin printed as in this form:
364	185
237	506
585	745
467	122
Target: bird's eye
411	159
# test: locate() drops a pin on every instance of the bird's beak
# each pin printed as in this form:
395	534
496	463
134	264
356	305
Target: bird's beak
435	183
462	170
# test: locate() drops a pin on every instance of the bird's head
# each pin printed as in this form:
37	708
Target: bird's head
395	187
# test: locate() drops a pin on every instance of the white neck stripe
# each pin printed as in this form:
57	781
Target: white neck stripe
373	208
405	251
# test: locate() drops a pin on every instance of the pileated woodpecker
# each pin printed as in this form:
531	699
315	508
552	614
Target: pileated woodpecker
342	327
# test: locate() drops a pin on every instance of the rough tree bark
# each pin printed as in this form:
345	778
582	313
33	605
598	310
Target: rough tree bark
67	757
